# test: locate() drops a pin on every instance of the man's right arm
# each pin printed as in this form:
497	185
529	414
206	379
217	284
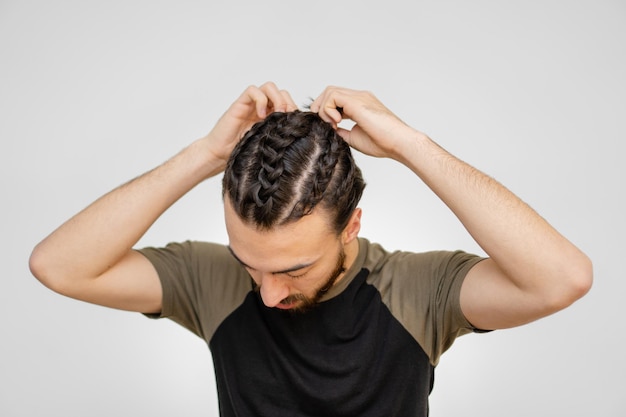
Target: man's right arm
91	258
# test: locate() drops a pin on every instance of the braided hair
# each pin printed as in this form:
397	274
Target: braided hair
288	164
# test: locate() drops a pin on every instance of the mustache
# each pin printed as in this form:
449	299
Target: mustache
305	302
294	298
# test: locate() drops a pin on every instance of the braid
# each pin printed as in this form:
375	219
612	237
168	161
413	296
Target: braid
272	149
286	165
326	164
321	172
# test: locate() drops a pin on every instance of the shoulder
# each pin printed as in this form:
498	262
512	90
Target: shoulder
422	291
204	263
414	266
188	251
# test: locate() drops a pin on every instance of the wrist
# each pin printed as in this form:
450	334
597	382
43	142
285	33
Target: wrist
204	159
413	145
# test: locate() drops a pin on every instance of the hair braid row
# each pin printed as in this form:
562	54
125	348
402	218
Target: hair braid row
288	164
271	170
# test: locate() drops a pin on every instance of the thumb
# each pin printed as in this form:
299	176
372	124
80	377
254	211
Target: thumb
359	140
351	137
344	134
354	137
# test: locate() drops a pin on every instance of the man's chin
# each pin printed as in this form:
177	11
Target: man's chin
288	305
298	306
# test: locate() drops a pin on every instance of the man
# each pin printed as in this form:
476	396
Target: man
303	316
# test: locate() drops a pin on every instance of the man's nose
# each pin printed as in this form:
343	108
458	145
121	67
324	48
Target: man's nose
273	290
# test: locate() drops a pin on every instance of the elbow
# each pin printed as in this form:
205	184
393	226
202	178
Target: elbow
576	282
583	278
37	266
41	268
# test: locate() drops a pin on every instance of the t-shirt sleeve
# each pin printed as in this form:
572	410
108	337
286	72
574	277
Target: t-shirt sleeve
426	293
449	320
202	283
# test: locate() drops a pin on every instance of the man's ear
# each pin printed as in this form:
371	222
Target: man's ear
351	231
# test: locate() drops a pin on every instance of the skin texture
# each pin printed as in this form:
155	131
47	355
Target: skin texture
532	270
292	263
90	256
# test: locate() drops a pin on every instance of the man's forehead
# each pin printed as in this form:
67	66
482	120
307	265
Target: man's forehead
279	250
294	267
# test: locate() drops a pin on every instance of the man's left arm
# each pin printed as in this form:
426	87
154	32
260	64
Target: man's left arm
532	270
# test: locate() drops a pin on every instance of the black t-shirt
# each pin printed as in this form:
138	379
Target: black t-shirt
367	349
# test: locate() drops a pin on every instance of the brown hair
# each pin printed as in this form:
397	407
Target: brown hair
288	164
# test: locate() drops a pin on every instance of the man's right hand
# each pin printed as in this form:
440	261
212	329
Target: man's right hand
90	256
254	104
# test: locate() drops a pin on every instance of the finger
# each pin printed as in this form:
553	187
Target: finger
329	105
291	105
254	96
277	99
344	134
323	113
357	139
331	112
316	104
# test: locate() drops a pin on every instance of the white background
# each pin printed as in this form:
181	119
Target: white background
93	94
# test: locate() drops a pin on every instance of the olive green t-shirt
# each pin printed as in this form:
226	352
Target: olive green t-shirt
371	343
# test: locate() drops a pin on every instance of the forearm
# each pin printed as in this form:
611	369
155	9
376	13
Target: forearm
532	254
95	239
533	271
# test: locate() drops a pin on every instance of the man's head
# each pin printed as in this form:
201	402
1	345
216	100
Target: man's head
291	188
288	164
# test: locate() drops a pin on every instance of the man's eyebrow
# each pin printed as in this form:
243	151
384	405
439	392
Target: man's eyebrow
294	268
237	257
283	271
